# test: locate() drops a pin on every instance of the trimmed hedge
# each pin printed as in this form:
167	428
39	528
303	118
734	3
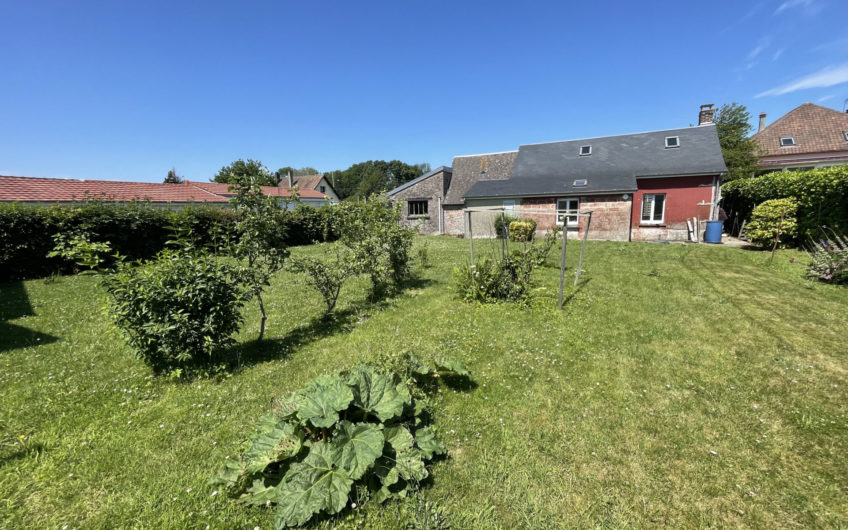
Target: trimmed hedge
136	230
822	196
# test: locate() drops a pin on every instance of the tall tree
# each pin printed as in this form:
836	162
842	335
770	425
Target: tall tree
374	176
739	150
252	169
173	178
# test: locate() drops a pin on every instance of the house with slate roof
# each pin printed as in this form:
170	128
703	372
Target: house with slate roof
640	186
806	137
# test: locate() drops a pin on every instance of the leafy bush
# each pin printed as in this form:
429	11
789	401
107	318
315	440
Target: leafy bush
539	252
307	224
177	310
496	280
381	247
829	259
326	276
522	231
80	250
822	196
773	219
502	223
422	250
364	430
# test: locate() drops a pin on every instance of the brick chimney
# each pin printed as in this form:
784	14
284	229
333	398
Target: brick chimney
705	117
289	177
762	121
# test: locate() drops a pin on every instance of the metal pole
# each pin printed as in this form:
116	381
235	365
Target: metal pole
562	259
583	248
471	239
504	234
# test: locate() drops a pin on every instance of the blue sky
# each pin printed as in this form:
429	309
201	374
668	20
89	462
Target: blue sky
121	90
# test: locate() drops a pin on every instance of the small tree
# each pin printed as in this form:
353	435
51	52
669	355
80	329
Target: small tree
326	276
773	223
173	178
254	169
259	241
739	150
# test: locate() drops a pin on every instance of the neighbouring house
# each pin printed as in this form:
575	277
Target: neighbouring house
640	187
806	137
48	191
316	183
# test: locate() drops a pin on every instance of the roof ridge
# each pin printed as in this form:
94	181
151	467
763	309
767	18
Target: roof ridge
624	134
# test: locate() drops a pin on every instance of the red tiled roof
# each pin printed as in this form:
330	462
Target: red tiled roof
816	129
32	189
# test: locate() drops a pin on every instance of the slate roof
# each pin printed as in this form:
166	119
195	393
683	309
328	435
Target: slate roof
33	189
816	129
419	179
468	170
613	165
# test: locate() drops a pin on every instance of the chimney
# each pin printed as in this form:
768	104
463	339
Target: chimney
705	117
762	121
289	176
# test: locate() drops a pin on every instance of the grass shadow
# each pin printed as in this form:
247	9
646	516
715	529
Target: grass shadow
583	283
460	383
14	337
14	303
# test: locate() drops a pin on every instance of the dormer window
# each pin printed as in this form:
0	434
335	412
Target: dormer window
585	150
787	141
580	182
845	134
672	141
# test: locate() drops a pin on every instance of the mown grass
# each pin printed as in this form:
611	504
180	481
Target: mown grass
681	386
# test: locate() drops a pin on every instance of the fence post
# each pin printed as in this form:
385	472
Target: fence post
583	248
562	259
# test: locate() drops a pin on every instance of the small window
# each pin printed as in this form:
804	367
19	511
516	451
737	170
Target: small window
787	141
567	210
322	189
418	207
585	150
580	182
509	204
653	208
845	134
672	141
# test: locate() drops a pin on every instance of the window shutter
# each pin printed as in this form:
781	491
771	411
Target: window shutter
647	207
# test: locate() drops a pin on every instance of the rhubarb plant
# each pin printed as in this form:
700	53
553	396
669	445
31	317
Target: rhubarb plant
365	428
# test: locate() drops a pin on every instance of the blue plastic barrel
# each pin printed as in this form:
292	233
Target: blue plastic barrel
713	232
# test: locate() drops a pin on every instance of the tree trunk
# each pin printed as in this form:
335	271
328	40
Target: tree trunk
261	310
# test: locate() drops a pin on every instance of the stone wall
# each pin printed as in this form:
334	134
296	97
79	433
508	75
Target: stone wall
432	189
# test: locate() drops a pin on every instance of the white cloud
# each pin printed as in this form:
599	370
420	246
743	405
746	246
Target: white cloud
832	75
761	46
788	4
777	54
825	98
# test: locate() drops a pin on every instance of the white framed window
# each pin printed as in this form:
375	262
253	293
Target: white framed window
672	141
585	150
567	210
580	182
787	141
418	207
653	208
509	204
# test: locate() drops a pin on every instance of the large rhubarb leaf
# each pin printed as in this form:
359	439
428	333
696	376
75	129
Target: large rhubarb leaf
287	407
377	393
399	438
275	440
451	364
410	465
429	444
416	365
325	396
314	485
358	446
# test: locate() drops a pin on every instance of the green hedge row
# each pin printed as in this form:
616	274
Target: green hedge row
822	196
136	230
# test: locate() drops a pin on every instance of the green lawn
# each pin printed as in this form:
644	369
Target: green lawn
682	386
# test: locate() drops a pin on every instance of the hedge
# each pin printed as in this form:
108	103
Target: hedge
822	196
136	230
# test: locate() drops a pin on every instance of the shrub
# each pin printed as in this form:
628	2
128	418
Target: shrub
326	276
522	231
492	281
829	259
80	250
539	251
502	223
822	196
774	219
423	250
306	225
177	310
380	246
362	431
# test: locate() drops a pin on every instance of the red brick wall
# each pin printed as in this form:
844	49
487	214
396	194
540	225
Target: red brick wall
610	217
685	198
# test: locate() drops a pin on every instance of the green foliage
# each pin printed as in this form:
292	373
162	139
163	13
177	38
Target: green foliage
172	177
177	310
502	223
739	150
773	219
380	246
327	276
363	428
539	251
281	174
422	250
829	258
258	242
522	231
307	224
80	250
247	169
822	196
364	179
492	281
